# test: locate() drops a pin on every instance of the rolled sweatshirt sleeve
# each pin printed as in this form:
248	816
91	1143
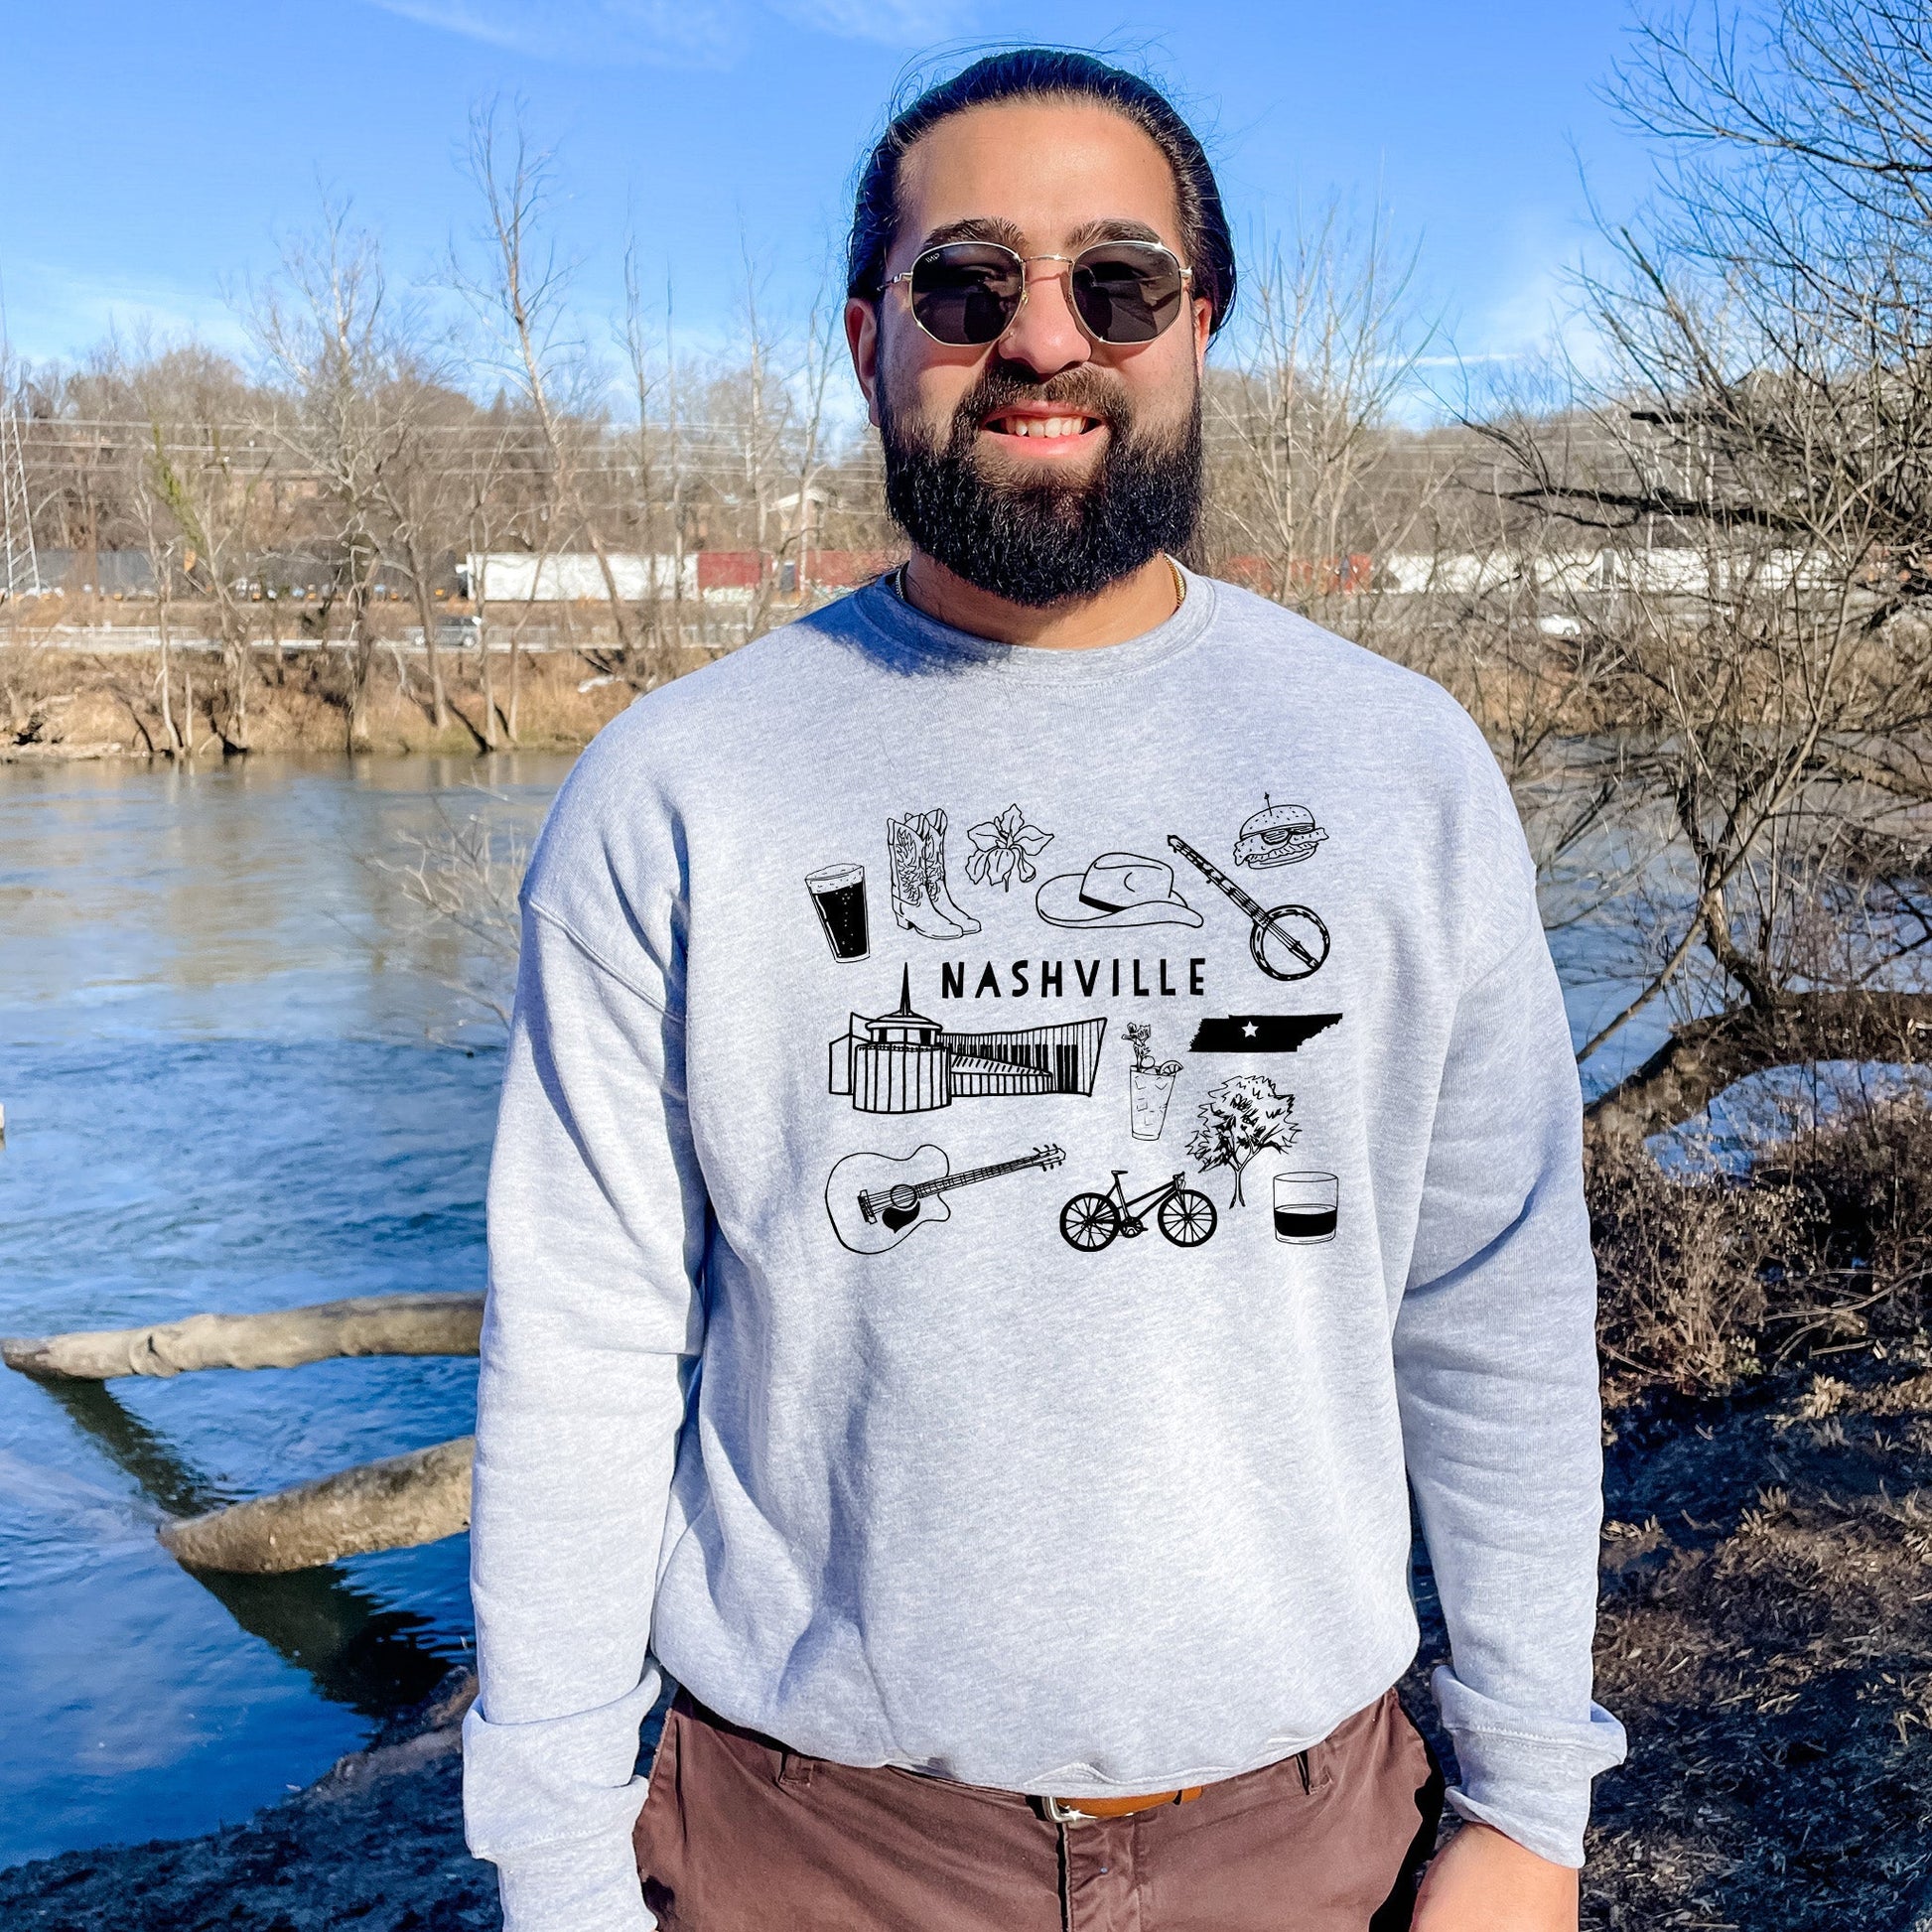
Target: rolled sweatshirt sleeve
1496	1370
597	1230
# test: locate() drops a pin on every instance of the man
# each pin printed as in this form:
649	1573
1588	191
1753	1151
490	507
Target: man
993	1420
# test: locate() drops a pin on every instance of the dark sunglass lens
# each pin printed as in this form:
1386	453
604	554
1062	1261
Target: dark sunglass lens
966	292
1126	293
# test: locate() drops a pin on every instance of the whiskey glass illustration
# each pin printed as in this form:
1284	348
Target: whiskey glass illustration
838	892
1149	1088
1304	1208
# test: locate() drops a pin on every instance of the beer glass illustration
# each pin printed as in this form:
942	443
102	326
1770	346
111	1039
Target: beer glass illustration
1304	1208
838	892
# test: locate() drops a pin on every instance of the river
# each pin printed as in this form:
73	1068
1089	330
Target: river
234	1077
228	1085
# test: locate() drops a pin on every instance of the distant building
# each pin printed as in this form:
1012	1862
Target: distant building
724	576
572	576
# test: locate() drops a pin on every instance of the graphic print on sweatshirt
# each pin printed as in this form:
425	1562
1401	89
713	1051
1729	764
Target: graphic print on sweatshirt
1005	846
923	903
1288	943
1092	1221
1276	835
1117	888
900	1060
1150	1085
877	1199
903	1062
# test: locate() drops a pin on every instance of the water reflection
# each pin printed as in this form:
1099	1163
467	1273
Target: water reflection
236	899
355	1652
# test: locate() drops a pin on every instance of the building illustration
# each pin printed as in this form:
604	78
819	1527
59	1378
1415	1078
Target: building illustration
901	1063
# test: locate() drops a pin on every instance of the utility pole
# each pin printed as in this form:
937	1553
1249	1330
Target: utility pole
20	566
20	570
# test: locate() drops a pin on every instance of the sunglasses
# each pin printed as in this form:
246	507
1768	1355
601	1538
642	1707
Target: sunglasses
966	294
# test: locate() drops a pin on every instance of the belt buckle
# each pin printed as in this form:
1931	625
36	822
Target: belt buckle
1060	1814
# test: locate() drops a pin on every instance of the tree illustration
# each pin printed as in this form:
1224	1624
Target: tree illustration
1237	1120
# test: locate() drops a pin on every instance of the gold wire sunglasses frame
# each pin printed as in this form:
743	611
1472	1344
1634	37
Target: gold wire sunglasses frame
982	297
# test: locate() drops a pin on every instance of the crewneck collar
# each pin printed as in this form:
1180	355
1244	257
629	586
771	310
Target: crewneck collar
907	626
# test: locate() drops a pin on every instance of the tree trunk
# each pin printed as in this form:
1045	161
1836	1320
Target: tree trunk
361	654
426	610
167	674
392	1504
1705	1056
488	685
368	1324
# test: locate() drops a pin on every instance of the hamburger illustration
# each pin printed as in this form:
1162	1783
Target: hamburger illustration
1277	835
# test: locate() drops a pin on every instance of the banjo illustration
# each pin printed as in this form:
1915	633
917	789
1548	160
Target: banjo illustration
876	1200
1288	942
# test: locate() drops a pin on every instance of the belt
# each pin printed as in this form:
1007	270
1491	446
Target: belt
1090	1811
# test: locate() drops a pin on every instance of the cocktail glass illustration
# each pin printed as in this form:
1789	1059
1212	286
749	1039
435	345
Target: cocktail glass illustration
838	892
1148	1089
1304	1208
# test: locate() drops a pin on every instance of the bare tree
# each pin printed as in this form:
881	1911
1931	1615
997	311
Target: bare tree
520	296
1760	489
162	543
1310	478
209	473
321	330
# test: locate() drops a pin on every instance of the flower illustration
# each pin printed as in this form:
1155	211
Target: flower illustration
1003	846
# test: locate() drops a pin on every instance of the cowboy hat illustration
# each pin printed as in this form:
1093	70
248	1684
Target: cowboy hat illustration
1118	889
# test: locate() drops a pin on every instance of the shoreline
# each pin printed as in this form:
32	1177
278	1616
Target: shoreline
65	706
376	1841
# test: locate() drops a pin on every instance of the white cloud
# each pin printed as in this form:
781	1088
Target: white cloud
53	312
896	23
679	32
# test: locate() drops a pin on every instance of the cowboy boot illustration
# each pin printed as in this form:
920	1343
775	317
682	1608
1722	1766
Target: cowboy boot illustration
912	906
935	873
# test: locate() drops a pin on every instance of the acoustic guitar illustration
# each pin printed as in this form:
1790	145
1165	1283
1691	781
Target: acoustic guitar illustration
876	1200
1288	942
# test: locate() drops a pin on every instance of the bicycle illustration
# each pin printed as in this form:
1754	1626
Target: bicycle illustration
1089	1221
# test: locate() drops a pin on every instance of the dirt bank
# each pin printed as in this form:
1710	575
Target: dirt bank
61	704
1766	1637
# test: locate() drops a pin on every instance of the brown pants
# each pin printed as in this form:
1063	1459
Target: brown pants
739	1834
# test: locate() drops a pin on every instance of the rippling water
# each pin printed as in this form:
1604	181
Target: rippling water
222	1062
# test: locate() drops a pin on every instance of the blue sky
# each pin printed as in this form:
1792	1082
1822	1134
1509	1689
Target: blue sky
149	155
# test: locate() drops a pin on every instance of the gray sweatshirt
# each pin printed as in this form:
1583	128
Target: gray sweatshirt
1007	1159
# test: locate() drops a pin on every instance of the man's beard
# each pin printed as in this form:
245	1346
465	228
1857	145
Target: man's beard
1051	541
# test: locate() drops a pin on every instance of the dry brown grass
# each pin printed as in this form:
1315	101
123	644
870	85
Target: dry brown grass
64	703
1767	1630
1766	1637
1707	1282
